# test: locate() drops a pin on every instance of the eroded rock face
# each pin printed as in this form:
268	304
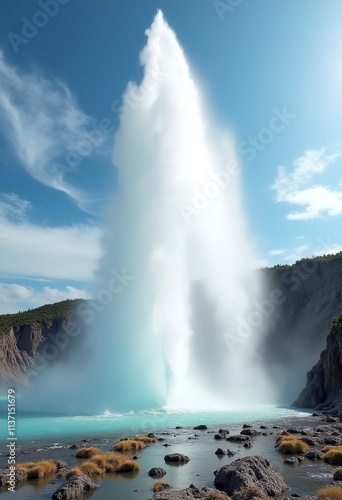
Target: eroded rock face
250	471
75	487
324	382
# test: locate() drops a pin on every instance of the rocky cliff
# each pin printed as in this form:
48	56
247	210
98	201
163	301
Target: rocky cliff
30	340
298	306
323	389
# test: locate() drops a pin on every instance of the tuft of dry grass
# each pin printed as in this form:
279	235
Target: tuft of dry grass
250	493
160	486
87	452
91	469
129	445
129	466
75	471
330	492
291	445
37	470
145	439
108	461
216	495
332	454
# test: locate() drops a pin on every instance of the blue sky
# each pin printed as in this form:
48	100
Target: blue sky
271	72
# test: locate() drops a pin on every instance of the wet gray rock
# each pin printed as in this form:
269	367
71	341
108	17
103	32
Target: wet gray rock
219	451
250	471
75	487
291	461
313	455
157	472
201	427
249	431
176	458
337	475
238	438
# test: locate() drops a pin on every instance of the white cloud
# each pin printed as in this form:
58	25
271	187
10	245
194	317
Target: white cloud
298	253
44	124
274	253
296	187
31	251
16	297
13	208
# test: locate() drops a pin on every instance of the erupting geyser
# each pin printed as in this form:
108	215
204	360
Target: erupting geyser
175	284
175	333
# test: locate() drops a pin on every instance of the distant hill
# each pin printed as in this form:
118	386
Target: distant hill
43	315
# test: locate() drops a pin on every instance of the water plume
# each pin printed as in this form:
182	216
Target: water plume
175	283
177	226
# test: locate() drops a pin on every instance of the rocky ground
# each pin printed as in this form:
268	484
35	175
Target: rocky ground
245	474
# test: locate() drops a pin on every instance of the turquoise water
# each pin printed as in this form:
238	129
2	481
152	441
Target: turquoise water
42	436
44	428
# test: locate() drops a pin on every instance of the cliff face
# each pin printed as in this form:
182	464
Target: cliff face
308	296
22	345
324	382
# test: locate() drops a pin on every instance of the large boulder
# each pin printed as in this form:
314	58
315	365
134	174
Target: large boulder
191	493
75	487
250	471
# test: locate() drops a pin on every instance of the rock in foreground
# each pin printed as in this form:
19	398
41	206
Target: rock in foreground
250	471
191	493
74	488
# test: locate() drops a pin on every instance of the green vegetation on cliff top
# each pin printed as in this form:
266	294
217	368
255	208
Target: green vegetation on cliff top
323	259
337	322
43	315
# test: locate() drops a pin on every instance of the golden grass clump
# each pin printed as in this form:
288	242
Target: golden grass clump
108	461
129	445
330	492
87	452
37	470
145	439
75	471
160	486
216	495
129	466
333	454
291	445
91	469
